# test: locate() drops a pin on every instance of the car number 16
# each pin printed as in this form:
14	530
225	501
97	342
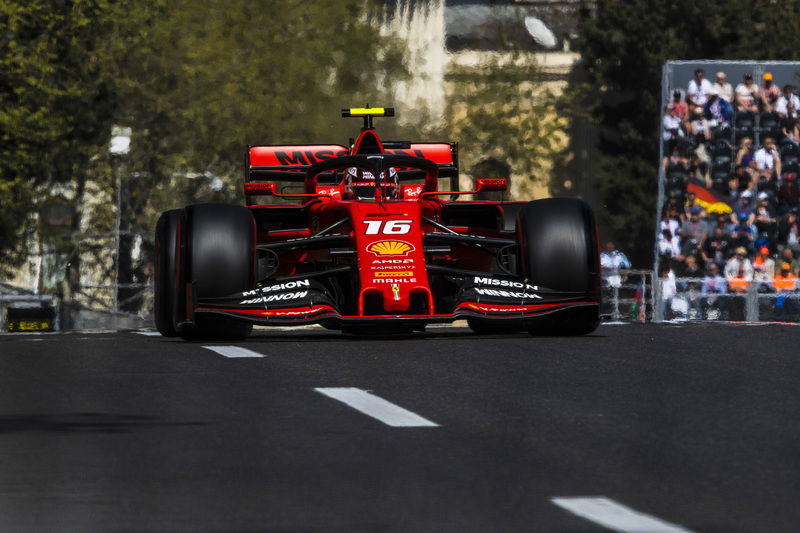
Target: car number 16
387	227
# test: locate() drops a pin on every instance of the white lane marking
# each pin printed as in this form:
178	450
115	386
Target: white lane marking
233	351
376	407
148	333
616	516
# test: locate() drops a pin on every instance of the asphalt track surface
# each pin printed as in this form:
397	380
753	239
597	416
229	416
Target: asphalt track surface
676	427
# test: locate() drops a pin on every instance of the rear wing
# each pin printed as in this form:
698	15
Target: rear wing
290	162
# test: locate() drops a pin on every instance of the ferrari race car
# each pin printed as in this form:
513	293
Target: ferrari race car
370	238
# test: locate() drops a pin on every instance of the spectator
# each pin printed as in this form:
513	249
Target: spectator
765	218
723	88
680	105
746	97
692	274
789	231
699	87
738	274
741	181
699	128
717	110
717	247
783	101
744	155
673	128
764	270
785	284
744	234
700	169
724	222
713	285
788	193
668	289
789	127
788	257
743	208
769	93
611	261
767	158
691	203
694	231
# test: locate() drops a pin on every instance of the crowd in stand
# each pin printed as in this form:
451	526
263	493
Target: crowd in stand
741	145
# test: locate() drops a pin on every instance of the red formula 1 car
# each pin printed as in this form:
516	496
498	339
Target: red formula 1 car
370	238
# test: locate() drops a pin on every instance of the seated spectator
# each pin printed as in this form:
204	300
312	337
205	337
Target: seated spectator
611	261
768	159
747	95
744	234
694	231
769	93
723	87
724	222
783	101
713	285
744	155
680	105
743	208
700	170
789	126
788	193
764	270
691	203
789	231
785	284
699	87
765	219
672	128
717	110
718	247
699	128
669	244
788	257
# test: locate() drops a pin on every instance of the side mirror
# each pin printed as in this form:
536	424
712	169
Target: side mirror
255	188
491	184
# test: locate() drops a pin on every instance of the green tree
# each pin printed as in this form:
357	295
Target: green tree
623	45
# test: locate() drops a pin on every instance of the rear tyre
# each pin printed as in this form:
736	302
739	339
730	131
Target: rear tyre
558	250
220	260
167	283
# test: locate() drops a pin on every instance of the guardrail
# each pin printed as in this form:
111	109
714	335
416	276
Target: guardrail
757	303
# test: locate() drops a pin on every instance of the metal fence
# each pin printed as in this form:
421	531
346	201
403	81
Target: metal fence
628	295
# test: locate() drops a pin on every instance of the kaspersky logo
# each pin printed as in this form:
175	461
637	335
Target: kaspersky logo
388	248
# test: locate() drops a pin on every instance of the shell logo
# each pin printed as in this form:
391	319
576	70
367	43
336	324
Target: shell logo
390	248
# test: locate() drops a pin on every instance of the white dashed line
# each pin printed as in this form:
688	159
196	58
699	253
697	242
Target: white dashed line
616	516
233	351
148	333
378	408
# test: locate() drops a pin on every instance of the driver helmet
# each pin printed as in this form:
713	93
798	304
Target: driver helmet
361	184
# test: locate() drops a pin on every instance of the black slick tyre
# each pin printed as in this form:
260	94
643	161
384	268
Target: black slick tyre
220	260
558	250
168	269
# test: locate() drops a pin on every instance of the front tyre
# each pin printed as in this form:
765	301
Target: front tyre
220	260
167	282
558	250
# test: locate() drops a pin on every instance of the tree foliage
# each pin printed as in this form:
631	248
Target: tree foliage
623	45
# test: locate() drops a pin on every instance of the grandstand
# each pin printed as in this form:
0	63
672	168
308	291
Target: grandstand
727	230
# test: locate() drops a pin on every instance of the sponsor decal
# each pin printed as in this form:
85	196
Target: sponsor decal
507	294
504	283
279	287
396	292
394	280
388	267
392	262
275	298
390	248
405	274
